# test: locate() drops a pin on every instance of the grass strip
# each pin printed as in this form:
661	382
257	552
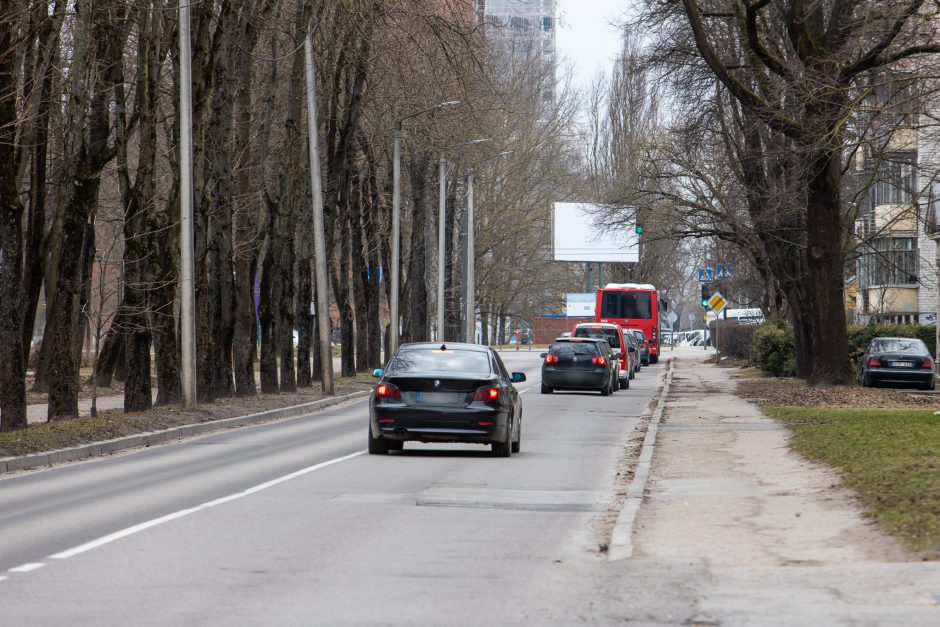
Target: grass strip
890	457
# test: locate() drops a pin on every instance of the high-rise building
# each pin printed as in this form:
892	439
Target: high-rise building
532	22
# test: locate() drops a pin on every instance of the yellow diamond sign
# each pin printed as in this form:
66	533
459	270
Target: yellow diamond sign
717	302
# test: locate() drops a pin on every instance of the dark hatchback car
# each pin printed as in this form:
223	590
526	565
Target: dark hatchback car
445	393
613	334
574	363
896	361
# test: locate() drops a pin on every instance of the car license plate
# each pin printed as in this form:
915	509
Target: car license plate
904	364
438	398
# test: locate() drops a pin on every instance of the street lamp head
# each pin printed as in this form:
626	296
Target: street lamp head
481	140
449	103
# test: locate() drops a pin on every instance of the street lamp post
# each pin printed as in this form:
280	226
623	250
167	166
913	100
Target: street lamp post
441	246
187	267
470	333
396	224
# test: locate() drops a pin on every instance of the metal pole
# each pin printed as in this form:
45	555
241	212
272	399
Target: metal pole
319	237
187	285
441	247
396	226
471	277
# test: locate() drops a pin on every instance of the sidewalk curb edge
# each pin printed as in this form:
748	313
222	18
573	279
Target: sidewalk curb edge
621	538
106	447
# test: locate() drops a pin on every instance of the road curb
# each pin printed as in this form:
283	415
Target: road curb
107	447
621	539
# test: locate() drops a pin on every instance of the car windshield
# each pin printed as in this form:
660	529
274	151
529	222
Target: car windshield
600	333
574	348
915	347
437	360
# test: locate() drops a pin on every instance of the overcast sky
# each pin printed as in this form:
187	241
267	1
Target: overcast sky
587	37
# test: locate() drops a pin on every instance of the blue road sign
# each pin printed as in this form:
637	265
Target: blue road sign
706	275
723	272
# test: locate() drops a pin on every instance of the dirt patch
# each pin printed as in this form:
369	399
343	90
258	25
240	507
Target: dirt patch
797	393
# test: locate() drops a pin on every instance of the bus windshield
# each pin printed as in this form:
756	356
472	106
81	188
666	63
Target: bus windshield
635	305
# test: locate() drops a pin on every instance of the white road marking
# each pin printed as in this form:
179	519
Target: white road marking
123	533
25	568
3	577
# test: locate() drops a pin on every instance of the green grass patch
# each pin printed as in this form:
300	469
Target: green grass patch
891	457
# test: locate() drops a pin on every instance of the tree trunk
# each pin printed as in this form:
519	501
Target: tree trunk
825	264
12	359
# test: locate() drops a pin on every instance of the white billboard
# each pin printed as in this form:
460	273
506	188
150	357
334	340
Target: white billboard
579	233
578	304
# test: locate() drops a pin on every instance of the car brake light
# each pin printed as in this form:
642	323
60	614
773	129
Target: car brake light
654	334
874	363
598	360
927	364
387	390
487	394
551	359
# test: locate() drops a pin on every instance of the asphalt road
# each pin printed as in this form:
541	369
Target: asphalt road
291	523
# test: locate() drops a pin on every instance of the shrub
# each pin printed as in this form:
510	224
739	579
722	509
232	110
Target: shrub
772	349
734	340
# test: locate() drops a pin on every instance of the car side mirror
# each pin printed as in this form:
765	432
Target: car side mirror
543	355
616	354
378	372
518	377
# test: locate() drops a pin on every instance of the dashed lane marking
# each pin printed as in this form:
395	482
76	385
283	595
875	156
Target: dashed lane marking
25	568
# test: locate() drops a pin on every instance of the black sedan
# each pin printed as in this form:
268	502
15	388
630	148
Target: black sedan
578	364
898	361
445	393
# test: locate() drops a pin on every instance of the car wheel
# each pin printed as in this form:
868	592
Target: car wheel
504	448
625	383
930	386
377	446
546	389
605	391
518	443
654	359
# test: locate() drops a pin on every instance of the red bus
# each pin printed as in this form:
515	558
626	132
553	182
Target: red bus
631	305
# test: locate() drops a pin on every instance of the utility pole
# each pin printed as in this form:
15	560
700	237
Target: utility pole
396	227
319	237
187	285
471	266
441	246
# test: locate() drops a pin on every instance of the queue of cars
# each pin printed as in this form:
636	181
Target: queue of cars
456	392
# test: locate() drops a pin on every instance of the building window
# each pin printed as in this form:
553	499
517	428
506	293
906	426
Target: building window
892	261
894	183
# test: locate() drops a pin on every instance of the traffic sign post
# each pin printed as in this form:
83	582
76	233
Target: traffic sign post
717	303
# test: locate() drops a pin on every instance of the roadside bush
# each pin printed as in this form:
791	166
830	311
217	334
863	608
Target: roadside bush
861	335
734	340
772	349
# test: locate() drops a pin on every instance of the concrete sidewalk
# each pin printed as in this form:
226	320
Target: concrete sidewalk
742	531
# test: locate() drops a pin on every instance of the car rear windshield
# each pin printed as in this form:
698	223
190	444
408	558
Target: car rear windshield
574	348
437	360
602	333
915	347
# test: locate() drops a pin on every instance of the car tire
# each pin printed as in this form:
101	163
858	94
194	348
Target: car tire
504	448
377	446
518	443
930	386
605	391
625	383
546	389
653	359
